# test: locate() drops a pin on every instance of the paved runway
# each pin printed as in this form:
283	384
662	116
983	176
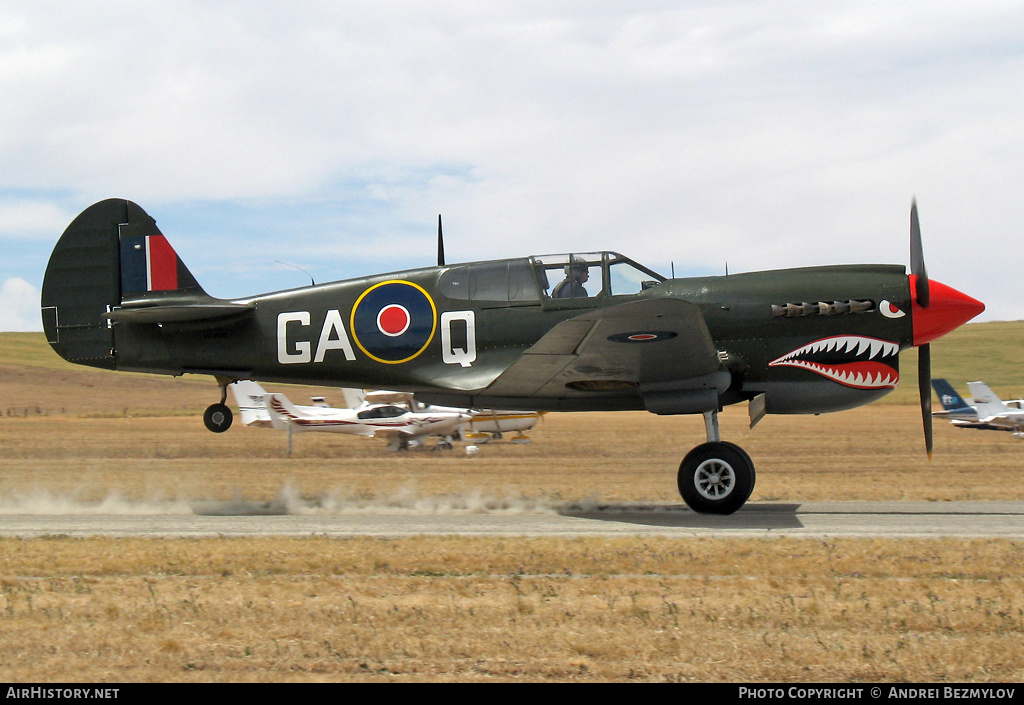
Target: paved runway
808	519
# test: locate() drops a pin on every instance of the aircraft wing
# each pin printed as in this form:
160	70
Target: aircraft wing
655	344
391	433
410	430
384	396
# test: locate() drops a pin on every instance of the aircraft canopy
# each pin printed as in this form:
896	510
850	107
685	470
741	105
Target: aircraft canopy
607	273
532	279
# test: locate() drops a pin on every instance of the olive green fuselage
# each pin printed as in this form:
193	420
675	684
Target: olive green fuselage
494	334
321	336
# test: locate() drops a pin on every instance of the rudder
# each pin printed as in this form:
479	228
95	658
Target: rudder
987	401
948	397
112	252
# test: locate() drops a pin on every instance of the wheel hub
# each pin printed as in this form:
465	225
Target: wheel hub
714	479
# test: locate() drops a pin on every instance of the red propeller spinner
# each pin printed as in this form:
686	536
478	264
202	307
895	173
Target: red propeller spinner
946	310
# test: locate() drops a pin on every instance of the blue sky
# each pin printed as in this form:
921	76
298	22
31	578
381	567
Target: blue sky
330	135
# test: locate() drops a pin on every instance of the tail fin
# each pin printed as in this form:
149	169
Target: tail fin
282	412
111	253
251	400
986	401
948	397
353	397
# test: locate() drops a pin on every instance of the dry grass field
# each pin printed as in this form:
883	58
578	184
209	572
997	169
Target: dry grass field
482	609
487	609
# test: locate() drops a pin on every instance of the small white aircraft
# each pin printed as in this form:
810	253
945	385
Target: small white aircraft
988	412
402	426
484	424
393	415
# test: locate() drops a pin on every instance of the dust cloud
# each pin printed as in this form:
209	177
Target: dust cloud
289	501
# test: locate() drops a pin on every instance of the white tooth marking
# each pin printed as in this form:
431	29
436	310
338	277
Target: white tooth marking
854	345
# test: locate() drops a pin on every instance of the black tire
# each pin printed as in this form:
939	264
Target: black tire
218	417
716	478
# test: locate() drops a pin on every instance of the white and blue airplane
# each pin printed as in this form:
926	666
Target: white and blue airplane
987	412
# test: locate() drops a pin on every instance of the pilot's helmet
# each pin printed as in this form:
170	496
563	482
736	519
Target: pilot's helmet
576	267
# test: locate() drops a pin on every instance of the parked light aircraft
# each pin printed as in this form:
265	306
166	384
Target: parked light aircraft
398	423
362	416
492	334
988	412
483	424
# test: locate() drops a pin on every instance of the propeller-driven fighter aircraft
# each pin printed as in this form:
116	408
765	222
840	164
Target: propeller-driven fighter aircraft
494	334
987	413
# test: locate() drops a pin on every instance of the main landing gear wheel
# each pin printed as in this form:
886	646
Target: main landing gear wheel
716	478
218	417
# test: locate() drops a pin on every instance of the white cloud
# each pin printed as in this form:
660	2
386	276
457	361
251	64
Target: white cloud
30	218
19	306
767	136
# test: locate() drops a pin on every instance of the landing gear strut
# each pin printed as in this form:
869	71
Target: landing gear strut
716	477
218	417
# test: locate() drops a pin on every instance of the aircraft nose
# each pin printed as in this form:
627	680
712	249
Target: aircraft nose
947	310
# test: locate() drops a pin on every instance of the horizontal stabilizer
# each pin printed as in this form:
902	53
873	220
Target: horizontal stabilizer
213	314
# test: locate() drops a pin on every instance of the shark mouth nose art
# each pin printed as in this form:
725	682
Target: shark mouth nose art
851	360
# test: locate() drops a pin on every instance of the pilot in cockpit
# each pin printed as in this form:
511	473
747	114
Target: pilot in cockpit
576	275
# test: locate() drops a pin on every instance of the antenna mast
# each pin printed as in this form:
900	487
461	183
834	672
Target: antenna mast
440	243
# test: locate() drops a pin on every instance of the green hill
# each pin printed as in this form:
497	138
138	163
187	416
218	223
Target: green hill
978	351
30	349
990	352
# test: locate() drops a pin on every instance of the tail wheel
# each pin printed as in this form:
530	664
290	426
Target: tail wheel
716	478
218	417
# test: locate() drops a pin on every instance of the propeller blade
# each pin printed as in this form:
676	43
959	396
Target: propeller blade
924	352
917	267
440	243
924	382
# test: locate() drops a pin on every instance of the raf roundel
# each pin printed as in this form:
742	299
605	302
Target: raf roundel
643	336
394	321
